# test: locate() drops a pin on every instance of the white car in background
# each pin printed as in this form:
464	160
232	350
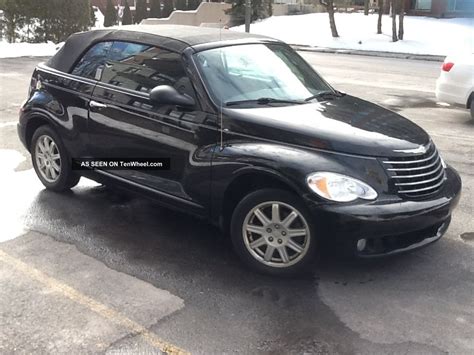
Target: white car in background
455	84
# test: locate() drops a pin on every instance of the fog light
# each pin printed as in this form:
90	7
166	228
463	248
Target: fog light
361	243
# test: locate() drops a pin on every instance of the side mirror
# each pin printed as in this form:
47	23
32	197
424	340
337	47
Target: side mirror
168	95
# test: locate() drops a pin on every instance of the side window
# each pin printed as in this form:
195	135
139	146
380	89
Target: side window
140	67
91	64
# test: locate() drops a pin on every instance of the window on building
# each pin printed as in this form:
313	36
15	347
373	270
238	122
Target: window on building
423	5
461	5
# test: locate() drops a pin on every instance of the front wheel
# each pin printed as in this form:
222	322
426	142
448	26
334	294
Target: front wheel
271	231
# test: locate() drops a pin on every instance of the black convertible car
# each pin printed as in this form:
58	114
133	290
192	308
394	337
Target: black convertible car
256	142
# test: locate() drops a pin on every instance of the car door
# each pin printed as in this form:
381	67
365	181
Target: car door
124	123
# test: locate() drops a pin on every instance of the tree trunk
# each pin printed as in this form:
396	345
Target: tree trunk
366	7
332	21
379	21
394	21
329	4
401	16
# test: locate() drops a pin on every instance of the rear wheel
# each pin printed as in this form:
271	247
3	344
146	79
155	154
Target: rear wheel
272	233
51	160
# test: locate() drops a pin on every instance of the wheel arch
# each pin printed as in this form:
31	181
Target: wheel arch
469	100
248	180
35	121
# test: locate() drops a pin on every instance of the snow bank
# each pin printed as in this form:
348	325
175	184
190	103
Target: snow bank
11	50
423	35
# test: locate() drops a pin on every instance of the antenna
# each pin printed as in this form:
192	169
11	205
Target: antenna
220	101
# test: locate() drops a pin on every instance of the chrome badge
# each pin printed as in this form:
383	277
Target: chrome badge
420	150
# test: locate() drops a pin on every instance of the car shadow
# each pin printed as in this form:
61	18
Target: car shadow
141	230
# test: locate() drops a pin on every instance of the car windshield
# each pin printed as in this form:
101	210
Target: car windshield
258	74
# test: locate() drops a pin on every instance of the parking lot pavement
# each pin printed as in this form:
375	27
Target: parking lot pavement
96	270
73	300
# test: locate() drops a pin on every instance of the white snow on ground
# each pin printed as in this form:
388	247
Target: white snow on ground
423	35
12	50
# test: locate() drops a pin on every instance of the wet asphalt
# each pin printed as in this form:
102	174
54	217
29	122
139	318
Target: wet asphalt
97	270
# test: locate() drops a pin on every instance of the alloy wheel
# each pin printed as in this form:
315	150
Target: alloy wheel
48	158
276	234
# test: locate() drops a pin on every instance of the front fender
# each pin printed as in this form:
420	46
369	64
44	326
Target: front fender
265	171
289	164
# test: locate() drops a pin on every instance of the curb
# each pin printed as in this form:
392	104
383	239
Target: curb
39	57
426	57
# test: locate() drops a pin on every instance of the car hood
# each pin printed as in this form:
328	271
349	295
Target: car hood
346	124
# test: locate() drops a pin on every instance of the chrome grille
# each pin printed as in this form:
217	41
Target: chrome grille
416	175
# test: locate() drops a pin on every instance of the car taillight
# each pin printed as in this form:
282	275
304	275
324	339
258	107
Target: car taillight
447	66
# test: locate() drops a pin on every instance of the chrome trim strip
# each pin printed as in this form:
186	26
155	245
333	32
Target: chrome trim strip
417	175
417	167
421	181
139	94
63	88
423	189
411	161
83	80
52	71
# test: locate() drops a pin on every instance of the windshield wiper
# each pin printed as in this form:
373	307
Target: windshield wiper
264	101
325	95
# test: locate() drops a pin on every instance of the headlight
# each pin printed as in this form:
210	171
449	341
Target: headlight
340	188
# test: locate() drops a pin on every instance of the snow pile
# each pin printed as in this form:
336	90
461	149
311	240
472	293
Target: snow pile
12	50
423	35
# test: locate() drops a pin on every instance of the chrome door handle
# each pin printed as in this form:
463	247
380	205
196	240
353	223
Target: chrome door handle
95	104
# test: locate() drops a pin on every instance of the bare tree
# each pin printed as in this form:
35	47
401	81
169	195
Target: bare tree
379	21
329	4
401	16
366	7
394	20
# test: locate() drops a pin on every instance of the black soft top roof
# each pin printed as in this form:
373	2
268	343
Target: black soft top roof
176	38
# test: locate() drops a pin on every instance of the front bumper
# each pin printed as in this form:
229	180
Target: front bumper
390	226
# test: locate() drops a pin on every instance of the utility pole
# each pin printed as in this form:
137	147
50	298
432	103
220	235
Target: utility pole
248	8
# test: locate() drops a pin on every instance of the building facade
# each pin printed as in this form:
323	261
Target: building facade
440	8
102	4
435	8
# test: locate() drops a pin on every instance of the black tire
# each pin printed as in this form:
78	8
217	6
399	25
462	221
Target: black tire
241	240
472	108
66	178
